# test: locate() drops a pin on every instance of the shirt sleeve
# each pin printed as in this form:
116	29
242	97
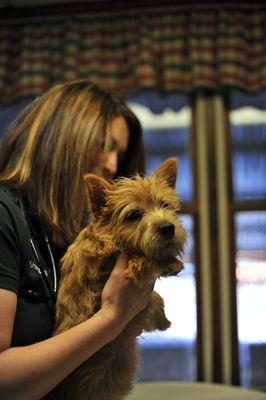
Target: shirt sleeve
10	258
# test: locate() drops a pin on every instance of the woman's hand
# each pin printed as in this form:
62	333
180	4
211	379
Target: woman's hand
122	299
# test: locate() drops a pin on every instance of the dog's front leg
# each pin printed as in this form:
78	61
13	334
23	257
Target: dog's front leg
155	317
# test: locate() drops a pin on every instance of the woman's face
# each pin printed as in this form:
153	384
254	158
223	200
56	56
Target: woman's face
109	160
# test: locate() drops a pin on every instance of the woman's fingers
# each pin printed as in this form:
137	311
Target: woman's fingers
121	296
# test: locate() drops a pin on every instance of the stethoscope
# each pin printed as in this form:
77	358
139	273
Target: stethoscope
54	289
44	272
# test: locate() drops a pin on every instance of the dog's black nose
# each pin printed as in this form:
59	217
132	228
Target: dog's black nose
167	230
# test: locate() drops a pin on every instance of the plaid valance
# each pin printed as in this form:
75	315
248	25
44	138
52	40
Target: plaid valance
167	48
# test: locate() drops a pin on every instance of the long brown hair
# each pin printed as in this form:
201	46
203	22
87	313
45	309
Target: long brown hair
54	142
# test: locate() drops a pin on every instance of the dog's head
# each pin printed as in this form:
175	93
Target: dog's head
140	213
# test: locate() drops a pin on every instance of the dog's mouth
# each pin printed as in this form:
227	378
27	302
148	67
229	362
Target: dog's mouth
167	250
173	266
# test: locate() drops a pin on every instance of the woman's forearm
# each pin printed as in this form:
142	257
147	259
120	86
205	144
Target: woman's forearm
30	372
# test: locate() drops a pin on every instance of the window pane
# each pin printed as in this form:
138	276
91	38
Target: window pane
248	127
251	296
171	355
168	135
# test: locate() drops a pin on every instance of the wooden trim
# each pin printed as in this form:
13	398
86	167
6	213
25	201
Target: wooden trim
204	269
249	205
214	251
119	5
188	208
194	163
232	250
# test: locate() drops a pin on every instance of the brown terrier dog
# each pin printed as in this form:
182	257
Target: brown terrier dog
136	217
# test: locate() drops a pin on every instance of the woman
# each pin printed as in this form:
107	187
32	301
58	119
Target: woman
73	129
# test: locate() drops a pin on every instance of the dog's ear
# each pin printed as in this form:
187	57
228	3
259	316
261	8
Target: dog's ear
97	188
167	171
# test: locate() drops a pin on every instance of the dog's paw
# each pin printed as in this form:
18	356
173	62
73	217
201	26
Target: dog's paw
162	323
156	318
137	270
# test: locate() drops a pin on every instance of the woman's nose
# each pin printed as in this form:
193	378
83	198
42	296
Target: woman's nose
111	163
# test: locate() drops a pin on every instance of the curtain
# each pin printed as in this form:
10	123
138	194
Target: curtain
167	48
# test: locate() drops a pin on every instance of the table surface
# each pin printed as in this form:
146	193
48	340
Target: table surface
192	391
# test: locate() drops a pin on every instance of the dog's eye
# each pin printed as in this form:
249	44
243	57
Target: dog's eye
133	215
164	205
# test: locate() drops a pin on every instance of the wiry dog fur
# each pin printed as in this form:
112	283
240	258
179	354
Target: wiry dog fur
137	217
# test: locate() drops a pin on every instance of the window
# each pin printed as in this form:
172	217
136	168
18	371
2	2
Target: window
248	133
